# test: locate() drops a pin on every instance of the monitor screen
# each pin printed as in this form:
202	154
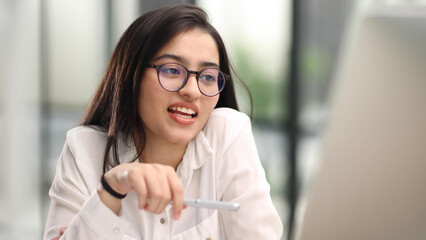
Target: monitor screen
371	181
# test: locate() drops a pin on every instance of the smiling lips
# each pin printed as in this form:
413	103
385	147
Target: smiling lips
183	115
183	112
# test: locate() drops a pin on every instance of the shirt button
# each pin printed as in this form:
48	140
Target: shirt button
162	220
116	230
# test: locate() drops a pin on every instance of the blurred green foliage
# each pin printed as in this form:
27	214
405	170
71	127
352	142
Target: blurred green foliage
268	92
315	64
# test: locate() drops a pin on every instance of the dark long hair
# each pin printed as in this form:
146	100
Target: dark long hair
114	106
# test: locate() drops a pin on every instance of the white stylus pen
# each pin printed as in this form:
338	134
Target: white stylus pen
232	206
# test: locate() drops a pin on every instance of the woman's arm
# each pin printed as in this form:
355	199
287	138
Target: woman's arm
243	180
88	211
75	203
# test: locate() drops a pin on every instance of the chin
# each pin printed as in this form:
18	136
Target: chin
182	138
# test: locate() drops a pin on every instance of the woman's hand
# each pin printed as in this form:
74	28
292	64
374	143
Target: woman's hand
155	184
61	232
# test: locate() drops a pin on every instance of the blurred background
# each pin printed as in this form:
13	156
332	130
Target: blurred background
53	54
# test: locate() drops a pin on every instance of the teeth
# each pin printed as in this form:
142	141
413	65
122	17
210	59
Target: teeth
183	110
184	116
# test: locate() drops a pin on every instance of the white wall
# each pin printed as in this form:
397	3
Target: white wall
20	216
76	58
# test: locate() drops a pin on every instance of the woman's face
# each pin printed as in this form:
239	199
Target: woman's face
161	111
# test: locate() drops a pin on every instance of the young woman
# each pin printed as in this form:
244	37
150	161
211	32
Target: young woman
163	127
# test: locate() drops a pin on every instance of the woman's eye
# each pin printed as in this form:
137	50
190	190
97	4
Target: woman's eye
170	71
208	78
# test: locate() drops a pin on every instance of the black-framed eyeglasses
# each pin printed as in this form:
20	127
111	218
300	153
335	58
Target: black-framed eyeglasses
173	77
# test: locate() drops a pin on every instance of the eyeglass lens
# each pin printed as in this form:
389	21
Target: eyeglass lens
172	77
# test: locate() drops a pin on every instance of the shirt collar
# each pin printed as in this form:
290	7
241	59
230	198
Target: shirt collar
197	153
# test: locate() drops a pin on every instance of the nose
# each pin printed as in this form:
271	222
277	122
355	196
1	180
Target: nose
190	90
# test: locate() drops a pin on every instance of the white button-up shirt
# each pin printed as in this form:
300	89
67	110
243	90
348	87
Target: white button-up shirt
221	163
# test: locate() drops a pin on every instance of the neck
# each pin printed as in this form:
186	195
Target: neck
163	153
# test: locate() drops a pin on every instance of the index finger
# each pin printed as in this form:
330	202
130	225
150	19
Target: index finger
62	230
177	195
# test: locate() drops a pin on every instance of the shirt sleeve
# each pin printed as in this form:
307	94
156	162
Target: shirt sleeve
243	180
75	203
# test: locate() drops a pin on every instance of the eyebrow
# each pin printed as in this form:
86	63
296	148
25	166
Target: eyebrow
182	60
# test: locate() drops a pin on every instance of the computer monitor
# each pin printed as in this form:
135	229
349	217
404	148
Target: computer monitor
371	181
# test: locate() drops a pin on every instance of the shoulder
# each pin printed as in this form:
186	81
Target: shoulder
84	153
225	124
83	138
226	119
86	134
228	114
81	160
